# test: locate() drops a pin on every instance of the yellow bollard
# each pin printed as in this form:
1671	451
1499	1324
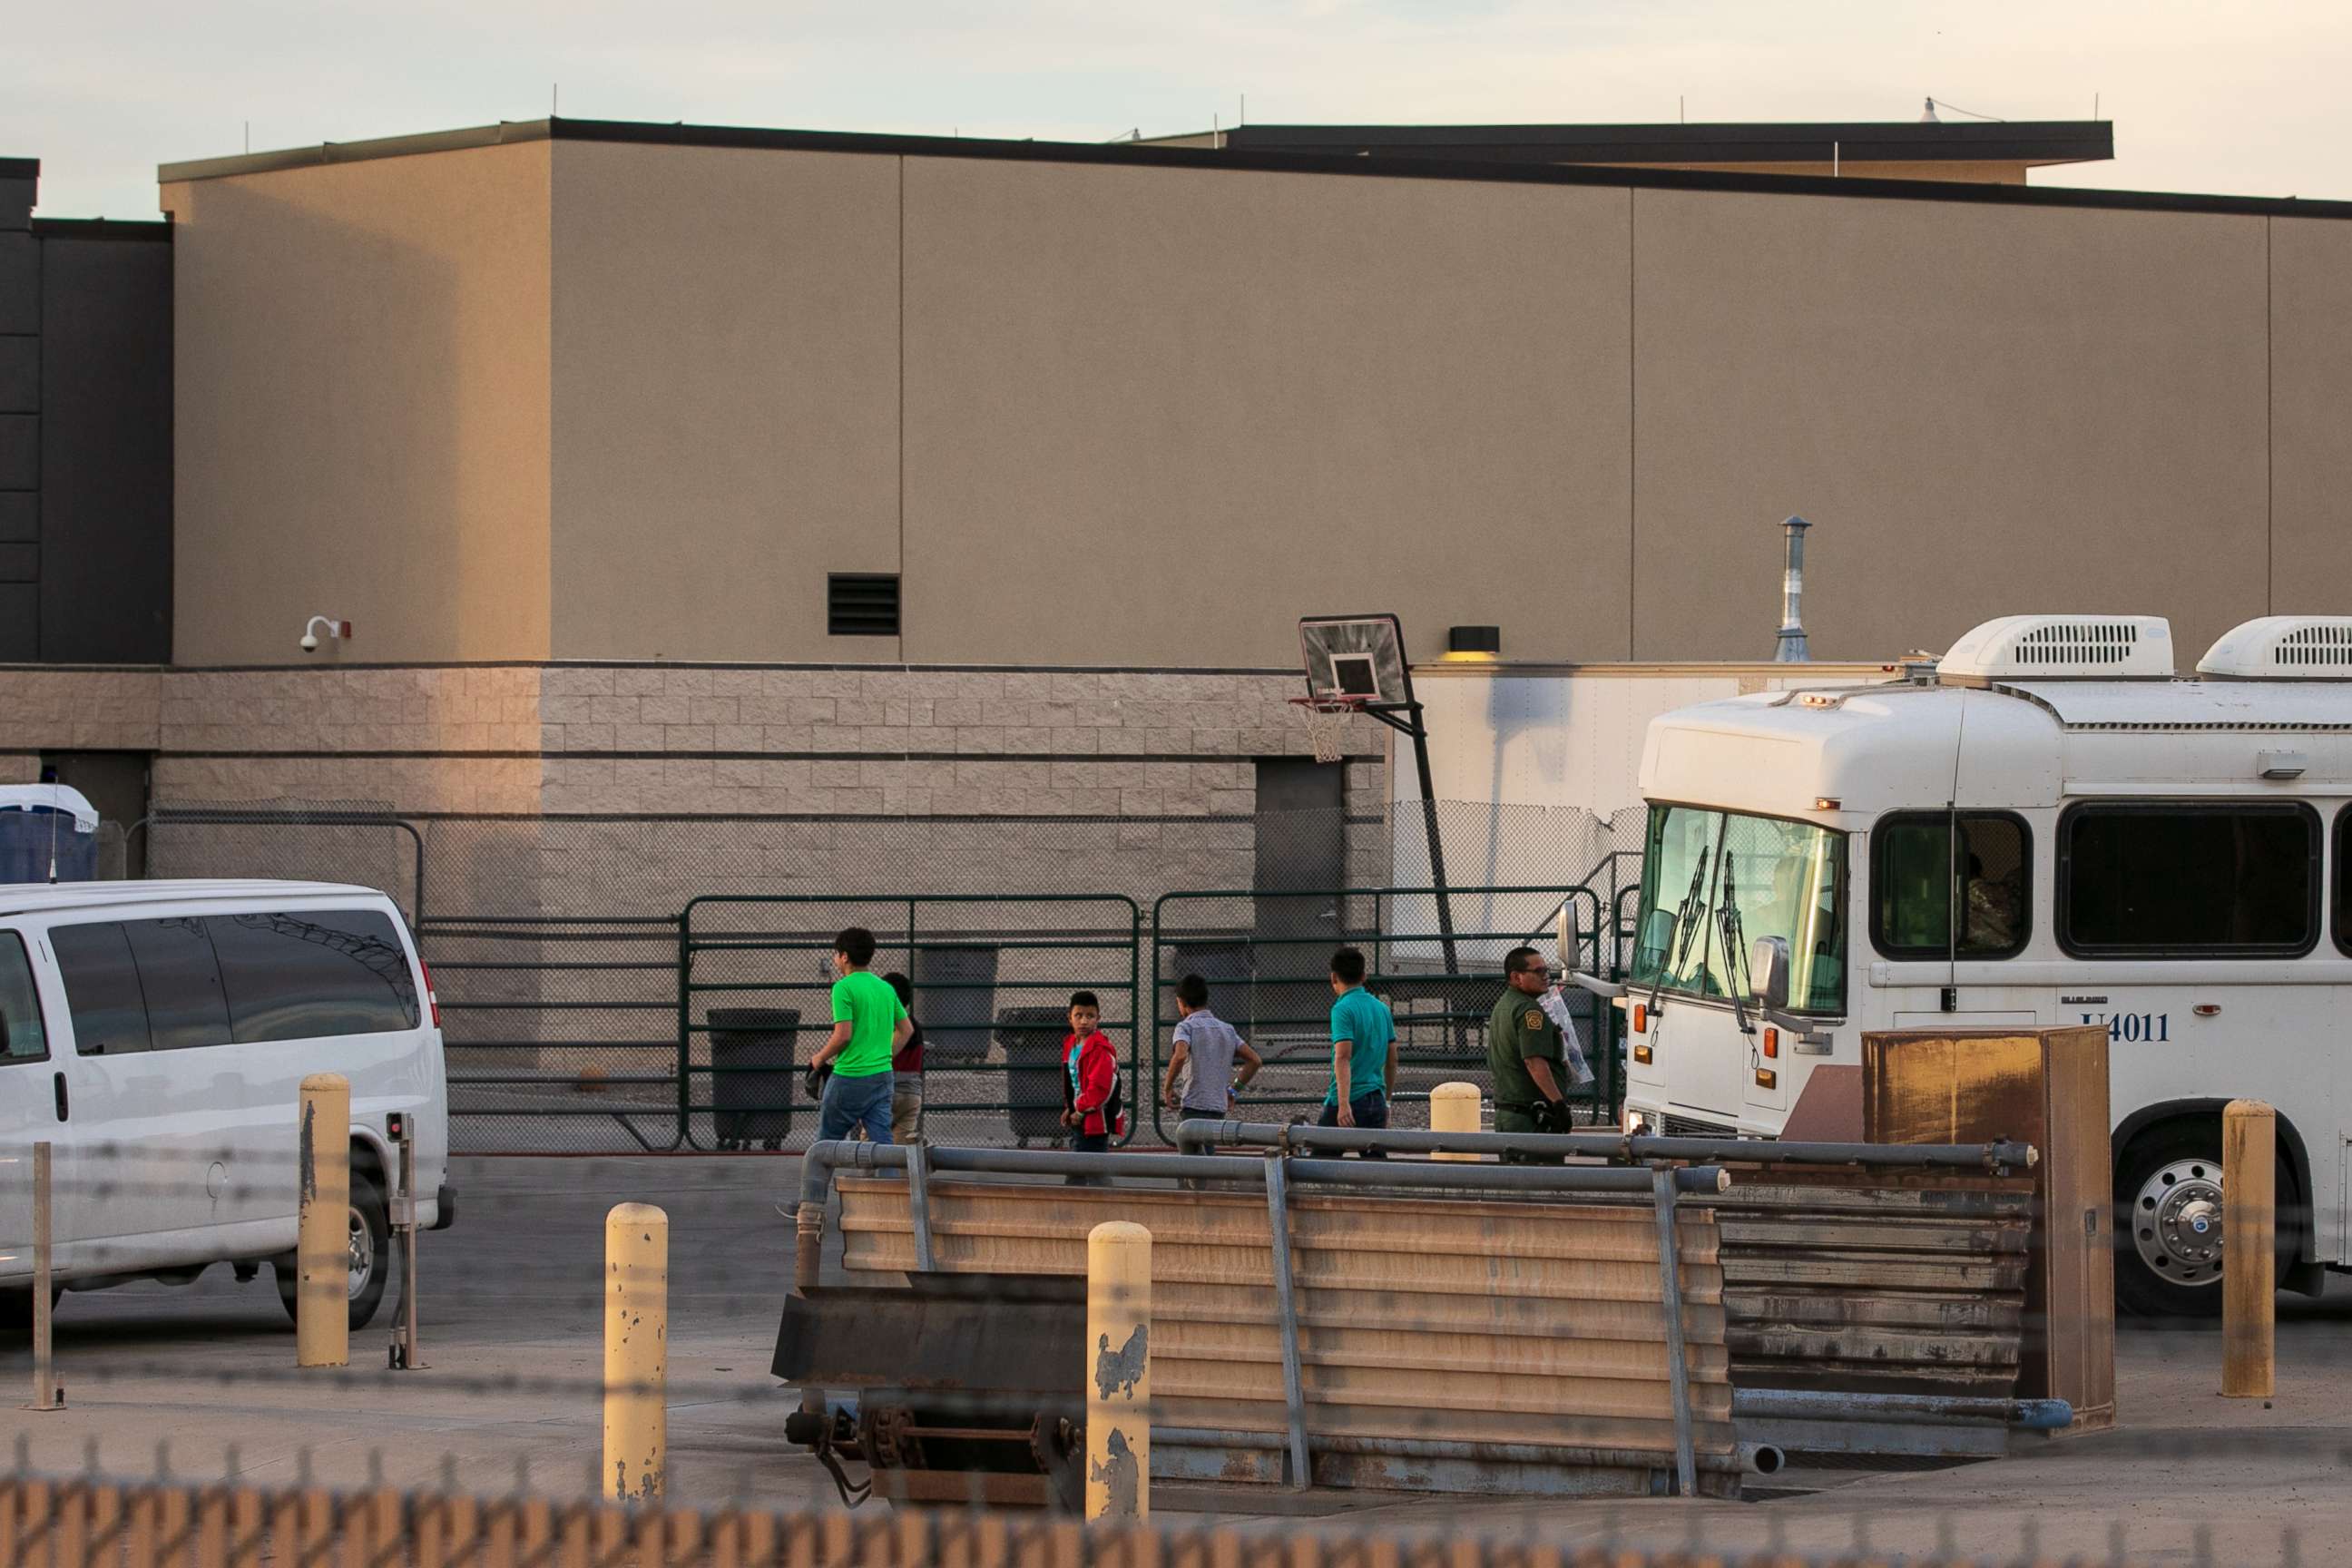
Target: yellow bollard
1118	1372
636	1351
1453	1108
2248	1249
322	1245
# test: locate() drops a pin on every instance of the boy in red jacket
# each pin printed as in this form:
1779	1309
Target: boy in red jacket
1090	1096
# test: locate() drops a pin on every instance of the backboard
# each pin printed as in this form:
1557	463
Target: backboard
1355	655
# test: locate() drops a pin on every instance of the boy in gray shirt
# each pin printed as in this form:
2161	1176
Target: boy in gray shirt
1204	1055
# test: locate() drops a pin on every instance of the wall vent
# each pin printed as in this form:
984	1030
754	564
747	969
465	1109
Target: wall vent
861	605
2283	647
2020	647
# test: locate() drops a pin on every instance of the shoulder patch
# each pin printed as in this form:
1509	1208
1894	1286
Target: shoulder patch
1532	1019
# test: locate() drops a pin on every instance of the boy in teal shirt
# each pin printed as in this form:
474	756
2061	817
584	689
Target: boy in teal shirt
1363	1051
869	1025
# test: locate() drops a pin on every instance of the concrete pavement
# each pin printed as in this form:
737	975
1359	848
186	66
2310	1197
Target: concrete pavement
511	1399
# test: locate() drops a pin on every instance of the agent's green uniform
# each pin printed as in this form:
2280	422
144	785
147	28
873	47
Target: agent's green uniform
1518	1032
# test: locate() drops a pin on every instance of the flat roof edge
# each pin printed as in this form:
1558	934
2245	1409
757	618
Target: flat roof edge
1147	154
499	135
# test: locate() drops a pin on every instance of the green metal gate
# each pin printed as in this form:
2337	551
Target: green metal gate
1266	957
992	975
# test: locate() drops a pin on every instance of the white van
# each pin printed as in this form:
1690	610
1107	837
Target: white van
2046	827
155	1035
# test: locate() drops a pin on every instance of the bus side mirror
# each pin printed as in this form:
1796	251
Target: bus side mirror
1657	931
1570	941
1768	972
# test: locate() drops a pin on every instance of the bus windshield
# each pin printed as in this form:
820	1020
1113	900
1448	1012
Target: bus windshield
1714	881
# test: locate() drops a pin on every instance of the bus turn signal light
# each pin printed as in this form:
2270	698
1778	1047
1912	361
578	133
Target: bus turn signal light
1641	1018
1642	1054
1771	1042
1766	1077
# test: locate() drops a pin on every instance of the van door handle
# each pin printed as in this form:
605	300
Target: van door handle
57	1081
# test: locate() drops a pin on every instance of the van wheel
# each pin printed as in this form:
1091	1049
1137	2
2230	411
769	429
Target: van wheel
2168	1217
371	1256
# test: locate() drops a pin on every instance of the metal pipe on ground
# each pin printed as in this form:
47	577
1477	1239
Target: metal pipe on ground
1750	1457
1201	1133
1790	1404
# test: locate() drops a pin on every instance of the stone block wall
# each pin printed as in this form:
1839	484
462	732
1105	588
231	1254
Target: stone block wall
553	788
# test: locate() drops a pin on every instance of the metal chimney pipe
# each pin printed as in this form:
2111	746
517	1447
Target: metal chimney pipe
1792	648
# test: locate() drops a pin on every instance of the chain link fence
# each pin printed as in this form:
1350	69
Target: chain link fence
557	951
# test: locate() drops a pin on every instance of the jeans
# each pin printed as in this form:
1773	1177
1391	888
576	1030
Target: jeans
1371	1113
1088	1143
853	1102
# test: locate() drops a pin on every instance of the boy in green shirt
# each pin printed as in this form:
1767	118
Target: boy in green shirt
869	1025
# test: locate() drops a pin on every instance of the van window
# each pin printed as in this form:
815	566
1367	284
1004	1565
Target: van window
182	983
110	1014
1913	857
314	973
2163	880
22	1038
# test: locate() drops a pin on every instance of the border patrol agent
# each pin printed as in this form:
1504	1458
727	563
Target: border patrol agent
1525	1055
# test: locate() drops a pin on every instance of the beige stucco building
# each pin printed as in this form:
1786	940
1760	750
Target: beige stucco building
577	423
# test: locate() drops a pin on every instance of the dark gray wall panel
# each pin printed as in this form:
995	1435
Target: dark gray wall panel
20	452
20	375
20	517
20	623
20	283
106	452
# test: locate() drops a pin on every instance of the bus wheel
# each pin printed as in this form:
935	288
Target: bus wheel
2169	1210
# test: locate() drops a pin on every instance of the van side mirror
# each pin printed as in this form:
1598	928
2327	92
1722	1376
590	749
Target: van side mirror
1768	972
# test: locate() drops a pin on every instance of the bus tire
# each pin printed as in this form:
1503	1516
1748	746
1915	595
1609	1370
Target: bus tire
2168	1221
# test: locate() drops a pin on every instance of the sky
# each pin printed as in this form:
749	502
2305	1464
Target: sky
2244	98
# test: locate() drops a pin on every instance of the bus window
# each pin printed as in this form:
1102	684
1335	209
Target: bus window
1712	883
2179	880
1913	857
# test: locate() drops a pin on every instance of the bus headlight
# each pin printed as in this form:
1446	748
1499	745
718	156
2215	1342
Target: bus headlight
1635	1123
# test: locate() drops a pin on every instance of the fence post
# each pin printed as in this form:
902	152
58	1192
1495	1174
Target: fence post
636	1341
1453	1108
45	1382
322	1246
1118	1372
2249	1250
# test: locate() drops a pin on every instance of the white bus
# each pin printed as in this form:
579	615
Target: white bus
2046	827
155	1034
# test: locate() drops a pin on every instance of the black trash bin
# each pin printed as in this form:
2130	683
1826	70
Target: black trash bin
751	1075
955	989
1032	1039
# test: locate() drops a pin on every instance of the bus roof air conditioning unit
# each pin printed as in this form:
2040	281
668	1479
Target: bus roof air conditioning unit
2283	647
2024	648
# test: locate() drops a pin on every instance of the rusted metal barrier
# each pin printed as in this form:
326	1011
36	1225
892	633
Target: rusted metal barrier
1869	1269
1549	1317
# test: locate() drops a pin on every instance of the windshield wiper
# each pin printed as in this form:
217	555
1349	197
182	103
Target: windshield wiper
1685	927
1735	949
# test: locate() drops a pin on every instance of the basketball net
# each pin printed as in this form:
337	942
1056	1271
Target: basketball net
1325	718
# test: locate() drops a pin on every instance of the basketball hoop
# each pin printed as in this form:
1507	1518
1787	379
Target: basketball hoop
1326	722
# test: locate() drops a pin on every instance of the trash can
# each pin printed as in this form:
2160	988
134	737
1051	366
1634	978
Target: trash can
751	1075
1032	1039
955	988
